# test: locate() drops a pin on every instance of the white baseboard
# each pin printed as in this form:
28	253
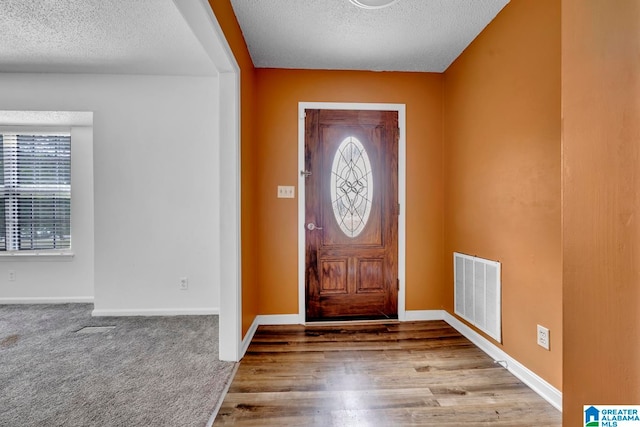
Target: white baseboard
278	319
266	319
157	312
248	337
413	315
48	300
533	381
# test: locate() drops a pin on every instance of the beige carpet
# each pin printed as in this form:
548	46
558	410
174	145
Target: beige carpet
160	371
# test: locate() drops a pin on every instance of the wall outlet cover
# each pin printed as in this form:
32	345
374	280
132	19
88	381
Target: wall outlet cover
543	337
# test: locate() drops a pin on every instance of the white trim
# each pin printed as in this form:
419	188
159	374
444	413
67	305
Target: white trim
230	341
413	315
267	319
47	300
202	21
402	193
248	337
200	18
533	381
278	319
53	119
204	311
35	255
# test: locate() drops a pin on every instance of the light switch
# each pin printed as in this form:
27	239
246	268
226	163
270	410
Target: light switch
286	192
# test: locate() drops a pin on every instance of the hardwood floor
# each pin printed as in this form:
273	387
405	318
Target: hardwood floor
377	374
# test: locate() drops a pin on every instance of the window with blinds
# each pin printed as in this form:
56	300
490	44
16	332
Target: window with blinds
35	191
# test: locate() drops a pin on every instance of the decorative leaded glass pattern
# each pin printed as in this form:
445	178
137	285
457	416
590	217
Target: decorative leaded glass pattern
351	186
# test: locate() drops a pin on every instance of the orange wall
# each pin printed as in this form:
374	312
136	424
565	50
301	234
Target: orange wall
227	20
601	204
502	172
278	94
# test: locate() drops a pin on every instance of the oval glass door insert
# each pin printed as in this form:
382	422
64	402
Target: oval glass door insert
351	186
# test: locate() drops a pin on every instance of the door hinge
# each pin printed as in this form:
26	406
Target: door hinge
398	208
398	283
305	173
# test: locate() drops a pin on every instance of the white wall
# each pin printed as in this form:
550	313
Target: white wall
156	186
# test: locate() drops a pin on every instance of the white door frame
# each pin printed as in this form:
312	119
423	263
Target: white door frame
402	190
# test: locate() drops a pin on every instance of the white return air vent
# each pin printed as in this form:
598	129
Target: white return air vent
477	293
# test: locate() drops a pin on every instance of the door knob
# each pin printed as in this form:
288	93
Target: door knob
311	226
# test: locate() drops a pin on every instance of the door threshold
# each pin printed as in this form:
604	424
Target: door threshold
350	322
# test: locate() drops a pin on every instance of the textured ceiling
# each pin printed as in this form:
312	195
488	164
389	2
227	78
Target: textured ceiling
99	36
152	36
410	35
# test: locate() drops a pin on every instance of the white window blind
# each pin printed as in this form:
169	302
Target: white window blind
35	190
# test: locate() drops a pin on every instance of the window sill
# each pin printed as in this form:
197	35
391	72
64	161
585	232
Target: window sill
36	255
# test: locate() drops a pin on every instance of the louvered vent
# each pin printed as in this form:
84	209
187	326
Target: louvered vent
477	293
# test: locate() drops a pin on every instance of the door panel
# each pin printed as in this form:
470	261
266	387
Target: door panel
370	276
334	276
351	214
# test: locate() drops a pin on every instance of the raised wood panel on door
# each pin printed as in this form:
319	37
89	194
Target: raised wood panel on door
351	276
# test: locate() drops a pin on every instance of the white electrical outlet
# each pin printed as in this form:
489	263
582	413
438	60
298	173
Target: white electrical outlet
184	284
12	275
286	192
543	337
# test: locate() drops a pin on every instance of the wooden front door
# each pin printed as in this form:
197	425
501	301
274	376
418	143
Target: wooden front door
351	223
